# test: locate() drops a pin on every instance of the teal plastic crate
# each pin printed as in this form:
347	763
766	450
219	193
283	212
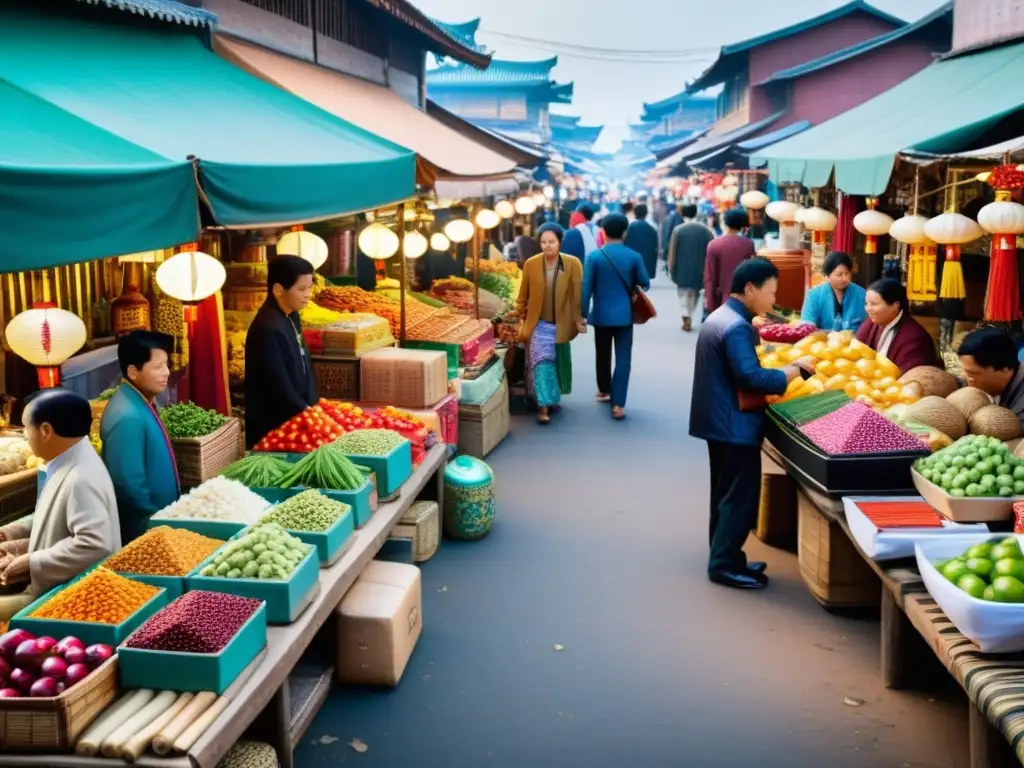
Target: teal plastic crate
86	631
285	599
195	672
330	544
359	499
391	470
214	529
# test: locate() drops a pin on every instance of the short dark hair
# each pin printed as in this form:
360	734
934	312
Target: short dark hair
689	211
990	348
834	261
286	271
736	218
640	211
615	225
585	210
67	412
138	346
891	291
552	227
757	271
627	206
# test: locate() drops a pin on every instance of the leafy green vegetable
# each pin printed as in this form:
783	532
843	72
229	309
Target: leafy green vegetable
259	470
189	420
326	467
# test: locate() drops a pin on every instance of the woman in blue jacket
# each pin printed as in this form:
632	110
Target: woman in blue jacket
836	305
610	275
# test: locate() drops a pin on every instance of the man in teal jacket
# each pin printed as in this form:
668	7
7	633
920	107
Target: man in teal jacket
136	448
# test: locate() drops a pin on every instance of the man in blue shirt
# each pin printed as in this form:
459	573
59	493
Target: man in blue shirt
726	371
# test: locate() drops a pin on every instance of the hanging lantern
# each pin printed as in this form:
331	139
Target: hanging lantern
695	191
439	242
785	213
378	242
45	337
460	230
191	276
872	224
549	192
819	222
414	244
1004	219
525	205
731	181
754	200
539	198
952	230
921	268
487	219
131	311
505	209
306	245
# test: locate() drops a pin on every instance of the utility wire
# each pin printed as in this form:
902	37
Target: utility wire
603	50
616	59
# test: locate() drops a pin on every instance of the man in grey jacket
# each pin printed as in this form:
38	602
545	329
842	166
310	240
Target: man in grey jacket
990	361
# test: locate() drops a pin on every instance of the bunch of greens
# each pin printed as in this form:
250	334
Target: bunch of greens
189	420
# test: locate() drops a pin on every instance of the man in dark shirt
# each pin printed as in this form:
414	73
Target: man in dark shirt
724	254
990	361
279	381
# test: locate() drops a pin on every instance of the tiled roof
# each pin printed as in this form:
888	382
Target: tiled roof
500	72
464	33
564	121
940	16
440	40
163	10
587	134
657	108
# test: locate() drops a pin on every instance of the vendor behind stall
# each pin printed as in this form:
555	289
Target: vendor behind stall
989	359
75	521
838	303
892	332
279	381
136	448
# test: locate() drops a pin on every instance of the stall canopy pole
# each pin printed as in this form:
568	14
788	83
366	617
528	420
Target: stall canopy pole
401	274
477	245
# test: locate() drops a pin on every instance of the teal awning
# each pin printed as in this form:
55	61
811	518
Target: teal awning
943	108
264	156
71	192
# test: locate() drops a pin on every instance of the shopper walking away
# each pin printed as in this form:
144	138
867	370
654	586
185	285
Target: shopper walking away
581	239
838	304
550	318
643	238
726	411
609	278
672	219
724	255
687	252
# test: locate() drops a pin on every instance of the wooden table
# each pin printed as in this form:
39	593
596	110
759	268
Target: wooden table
275	688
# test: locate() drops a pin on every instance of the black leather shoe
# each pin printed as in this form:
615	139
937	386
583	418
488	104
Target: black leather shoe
747	580
757	566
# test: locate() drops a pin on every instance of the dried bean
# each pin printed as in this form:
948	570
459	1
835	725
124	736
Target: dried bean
369	442
197	622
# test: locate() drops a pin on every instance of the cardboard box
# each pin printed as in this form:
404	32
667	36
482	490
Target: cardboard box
379	622
407	378
483	427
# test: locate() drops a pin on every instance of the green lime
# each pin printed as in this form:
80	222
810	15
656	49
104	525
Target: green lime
979	566
959	461
972	459
973	489
988	482
1009	566
1005	469
984	452
978	550
1018	472
1008	589
1006	491
973	585
1005	549
989	594
954	569
1018	487
1005	481
959	493
983	466
974	475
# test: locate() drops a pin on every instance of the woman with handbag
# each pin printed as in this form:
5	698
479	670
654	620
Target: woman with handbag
613	278
549	310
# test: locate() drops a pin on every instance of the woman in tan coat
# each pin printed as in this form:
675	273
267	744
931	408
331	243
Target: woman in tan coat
550	318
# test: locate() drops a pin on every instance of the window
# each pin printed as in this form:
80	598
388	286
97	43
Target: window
733	97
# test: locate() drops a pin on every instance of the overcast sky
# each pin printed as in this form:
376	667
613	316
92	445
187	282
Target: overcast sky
612	92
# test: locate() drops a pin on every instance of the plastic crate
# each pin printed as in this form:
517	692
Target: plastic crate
359	500
175	671
214	529
330	544
393	469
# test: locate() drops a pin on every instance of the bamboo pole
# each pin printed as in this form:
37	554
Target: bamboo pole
476	244
401	274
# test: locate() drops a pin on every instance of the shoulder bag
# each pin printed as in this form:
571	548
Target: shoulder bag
643	309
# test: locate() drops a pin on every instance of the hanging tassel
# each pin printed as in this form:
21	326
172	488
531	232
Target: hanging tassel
952	275
1003	297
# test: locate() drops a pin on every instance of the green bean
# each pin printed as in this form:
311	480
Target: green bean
369	442
309	511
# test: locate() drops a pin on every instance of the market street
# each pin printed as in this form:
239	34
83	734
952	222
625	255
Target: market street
584	630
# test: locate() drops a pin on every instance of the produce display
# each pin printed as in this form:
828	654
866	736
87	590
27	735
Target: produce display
310	511
356	333
964	411
163	551
369	442
436	328
786	333
352	299
315	316
346	415
326	468
264	552
857	429
197	622
992	571
189	420
395	295
217	499
42	667
302	433
258	470
500	285
806	409
975	467
16	456
101	597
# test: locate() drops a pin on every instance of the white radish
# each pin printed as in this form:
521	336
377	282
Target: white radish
138	743
131	702
163	741
114	743
198	728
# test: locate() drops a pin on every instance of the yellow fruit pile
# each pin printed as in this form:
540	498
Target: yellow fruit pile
843	365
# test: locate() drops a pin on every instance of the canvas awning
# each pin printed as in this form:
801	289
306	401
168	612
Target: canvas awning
943	108
708	145
996	152
262	156
371	107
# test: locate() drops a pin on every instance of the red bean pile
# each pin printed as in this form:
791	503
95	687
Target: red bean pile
197	622
856	428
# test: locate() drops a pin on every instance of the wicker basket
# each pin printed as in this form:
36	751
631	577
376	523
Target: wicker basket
421	524
17	495
55	724
200	458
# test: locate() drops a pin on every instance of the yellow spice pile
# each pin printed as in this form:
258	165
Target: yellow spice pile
101	597
163	551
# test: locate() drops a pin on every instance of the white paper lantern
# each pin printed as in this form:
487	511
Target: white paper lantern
695	191
378	242
304	244
549	192
487	219
1002	217
731	181
505	209
726	194
439	242
45	337
460	230
539	198
754	200
525	205
819	220
191	276
910	230
782	210
952	228
414	244
872	222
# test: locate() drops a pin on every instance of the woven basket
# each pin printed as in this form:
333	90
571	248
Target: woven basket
17	494
200	458
55	724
